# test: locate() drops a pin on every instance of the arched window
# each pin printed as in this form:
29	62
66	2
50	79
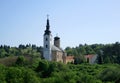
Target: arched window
46	46
46	39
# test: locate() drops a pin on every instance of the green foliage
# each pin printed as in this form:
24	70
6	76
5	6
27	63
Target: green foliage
30	76
46	68
42	71
35	63
18	75
84	73
20	61
79	59
81	50
55	72
14	75
31	50
109	53
43	68
2	74
110	75
2	53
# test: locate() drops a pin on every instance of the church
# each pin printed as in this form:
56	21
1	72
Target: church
52	50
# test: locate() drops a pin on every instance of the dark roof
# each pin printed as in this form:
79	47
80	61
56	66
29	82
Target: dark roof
47	31
56	38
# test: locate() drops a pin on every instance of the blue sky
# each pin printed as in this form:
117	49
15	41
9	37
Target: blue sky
75	21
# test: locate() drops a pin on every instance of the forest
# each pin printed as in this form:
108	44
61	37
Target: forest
25	64
107	53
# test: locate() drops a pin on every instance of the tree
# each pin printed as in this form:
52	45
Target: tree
110	75
89	50
3	53
21	75
20	61
2	74
43	68
79	59
22	46
100	57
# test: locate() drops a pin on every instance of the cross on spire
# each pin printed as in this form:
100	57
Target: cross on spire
47	31
47	16
56	34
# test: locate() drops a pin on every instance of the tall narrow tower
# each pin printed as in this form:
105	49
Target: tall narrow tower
47	42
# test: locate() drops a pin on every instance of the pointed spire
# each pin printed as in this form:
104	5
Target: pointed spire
47	26
47	31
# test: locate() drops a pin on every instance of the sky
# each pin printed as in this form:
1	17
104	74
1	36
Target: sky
75	21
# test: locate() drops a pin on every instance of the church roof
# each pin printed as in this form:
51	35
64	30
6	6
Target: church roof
47	31
89	56
54	48
56	38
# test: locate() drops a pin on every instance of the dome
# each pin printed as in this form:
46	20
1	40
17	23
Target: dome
56	38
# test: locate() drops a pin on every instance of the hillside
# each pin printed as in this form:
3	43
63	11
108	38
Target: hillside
42	71
24	64
8	60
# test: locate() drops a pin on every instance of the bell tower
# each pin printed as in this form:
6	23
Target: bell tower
47	54
57	41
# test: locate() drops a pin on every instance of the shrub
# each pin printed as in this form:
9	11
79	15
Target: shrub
20	61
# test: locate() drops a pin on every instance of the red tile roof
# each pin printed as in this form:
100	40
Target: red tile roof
70	57
89	56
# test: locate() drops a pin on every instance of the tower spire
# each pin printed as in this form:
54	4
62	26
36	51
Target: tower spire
47	31
47	50
48	25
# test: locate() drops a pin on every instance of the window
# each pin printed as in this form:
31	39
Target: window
46	39
46	46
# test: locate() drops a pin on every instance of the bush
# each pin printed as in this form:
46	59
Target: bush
2	74
20	61
21	75
110	75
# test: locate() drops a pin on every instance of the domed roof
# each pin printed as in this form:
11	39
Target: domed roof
56	38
